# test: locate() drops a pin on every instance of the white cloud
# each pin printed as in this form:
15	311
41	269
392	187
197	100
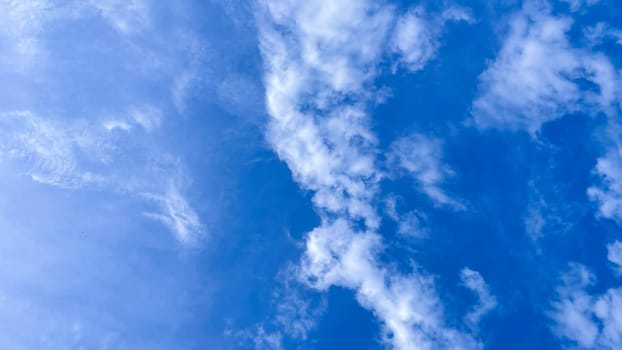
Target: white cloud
410	223
74	155
608	193
331	155
320	60
417	34
589	321
545	212
414	40
240	95
261	339
539	76
534	77
573	307
297	314
69	150
608	309
126	16
601	31
178	215
408	305
614	254
148	117
421	156
576	5
30	39
48	152
25	22
534	220
113	124
22	24
474	281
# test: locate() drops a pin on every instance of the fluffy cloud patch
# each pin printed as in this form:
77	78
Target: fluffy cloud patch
614	254
407	304
608	193
416	36
536	76
320	59
588	321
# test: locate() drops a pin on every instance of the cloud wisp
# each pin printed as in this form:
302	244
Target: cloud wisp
421	157
487	302
61	148
88	155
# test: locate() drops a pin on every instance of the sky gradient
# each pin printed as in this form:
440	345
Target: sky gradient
321	174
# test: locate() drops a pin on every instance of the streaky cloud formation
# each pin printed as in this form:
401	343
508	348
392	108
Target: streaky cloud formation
65	149
81	154
178	215
49	150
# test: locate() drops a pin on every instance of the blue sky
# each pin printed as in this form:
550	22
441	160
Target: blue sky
280	174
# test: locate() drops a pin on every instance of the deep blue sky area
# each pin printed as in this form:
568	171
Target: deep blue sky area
282	174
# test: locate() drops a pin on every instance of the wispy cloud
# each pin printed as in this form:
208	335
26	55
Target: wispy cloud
84	154
148	117
422	158
411	223
601	32
576	5
48	152
296	312
126	16
106	150
178	215
22	24
474	281
259	338
25	24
